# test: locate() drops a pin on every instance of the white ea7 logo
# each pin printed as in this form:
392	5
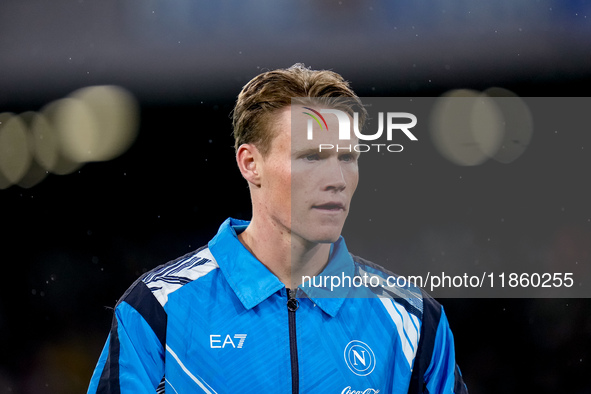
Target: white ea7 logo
360	358
215	341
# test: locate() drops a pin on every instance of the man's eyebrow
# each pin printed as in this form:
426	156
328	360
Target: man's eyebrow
304	151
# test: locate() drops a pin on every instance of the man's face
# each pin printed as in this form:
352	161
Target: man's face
308	192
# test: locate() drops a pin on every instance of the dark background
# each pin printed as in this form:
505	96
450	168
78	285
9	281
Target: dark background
72	244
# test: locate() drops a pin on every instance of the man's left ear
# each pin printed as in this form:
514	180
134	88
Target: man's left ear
248	157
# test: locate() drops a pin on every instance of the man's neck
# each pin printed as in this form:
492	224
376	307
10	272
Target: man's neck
287	256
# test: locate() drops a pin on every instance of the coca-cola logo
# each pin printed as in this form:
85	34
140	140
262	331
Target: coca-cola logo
348	390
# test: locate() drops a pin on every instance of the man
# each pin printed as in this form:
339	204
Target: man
242	314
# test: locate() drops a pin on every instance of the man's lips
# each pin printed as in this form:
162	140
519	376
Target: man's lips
330	206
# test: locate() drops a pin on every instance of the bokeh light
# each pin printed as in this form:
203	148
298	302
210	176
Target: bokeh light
92	124
469	127
518	124
15	156
4	182
97	123
48	144
453	123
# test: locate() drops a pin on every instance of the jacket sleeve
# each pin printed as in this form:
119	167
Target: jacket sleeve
443	374
132	360
435	370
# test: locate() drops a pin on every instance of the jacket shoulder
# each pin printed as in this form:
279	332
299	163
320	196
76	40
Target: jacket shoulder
394	286
167	278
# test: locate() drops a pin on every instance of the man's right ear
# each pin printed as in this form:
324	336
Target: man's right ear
249	160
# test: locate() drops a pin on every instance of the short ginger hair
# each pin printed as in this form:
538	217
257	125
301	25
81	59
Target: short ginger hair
273	90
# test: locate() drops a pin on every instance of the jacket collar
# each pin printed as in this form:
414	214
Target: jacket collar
249	278
253	283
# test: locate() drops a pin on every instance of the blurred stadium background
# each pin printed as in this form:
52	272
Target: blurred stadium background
116	156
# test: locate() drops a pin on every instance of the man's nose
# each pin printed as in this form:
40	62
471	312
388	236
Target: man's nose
334	175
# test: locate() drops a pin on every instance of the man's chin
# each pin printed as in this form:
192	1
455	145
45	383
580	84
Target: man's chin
320	233
318	238
327	237
325	240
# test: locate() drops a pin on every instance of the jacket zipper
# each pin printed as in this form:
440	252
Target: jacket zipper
292	306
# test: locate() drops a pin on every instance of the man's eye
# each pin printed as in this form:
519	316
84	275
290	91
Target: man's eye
312	157
347	157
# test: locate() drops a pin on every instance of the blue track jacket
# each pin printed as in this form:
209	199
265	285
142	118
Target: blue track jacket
218	321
